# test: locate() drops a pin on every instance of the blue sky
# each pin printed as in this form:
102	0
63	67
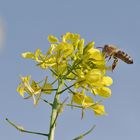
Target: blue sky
28	23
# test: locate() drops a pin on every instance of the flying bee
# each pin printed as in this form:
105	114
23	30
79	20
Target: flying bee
112	51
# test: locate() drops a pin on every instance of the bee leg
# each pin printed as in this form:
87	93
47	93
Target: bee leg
105	55
109	58
114	63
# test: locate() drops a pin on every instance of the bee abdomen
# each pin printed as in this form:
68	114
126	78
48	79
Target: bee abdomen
124	57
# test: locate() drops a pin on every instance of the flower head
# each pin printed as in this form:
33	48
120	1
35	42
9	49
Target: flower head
81	67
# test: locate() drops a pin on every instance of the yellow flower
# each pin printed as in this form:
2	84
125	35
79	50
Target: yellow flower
89	47
88	103
51	49
60	68
107	81
82	99
93	76
93	58
47	62
36	55
63	50
103	92
32	89
71	38
99	109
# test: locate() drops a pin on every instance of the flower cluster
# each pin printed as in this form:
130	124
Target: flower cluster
82	68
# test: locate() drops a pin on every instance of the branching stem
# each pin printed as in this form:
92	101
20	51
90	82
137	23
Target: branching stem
54	113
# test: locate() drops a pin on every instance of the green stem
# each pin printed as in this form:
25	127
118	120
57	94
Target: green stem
86	133
25	131
69	87
54	113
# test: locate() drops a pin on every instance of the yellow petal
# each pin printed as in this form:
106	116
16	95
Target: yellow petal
28	55
89	47
47	88
99	109
21	90
26	78
70	37
52	39
103	92
82	99
80	46
93	76
38	55
96	54
78	98
67	36
71	76
107	81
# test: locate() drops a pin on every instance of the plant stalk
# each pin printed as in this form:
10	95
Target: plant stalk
54	113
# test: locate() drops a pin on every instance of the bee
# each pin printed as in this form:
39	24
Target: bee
112	51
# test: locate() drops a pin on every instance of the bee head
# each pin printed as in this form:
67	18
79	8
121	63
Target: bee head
105	48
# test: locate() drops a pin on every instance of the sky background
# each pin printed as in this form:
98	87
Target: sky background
26	27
